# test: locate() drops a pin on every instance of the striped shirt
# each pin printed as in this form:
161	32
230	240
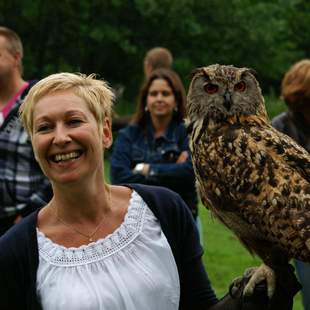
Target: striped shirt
23	187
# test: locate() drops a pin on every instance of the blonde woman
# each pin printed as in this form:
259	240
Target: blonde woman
96	246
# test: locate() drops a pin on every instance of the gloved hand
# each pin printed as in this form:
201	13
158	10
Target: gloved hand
286	288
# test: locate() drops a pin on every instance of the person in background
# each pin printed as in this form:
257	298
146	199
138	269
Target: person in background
155	58
295	91
97	246
154	148
23	187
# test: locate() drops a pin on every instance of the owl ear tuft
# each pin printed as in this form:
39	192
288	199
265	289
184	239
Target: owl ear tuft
254	72
249	70
195	72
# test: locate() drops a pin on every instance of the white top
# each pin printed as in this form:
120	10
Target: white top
133	268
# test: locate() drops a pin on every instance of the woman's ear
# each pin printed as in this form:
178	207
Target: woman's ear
107	137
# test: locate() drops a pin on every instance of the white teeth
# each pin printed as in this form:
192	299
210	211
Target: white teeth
62	157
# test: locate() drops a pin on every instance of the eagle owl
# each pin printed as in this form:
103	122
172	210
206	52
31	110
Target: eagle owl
252	177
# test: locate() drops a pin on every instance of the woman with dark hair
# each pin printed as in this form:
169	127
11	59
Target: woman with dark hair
154	148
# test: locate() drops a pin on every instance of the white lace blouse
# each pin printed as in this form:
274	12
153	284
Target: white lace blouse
133	268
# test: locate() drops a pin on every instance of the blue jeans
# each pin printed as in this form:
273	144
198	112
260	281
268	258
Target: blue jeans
303	273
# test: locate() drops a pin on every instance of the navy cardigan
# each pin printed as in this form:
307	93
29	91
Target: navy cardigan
19	254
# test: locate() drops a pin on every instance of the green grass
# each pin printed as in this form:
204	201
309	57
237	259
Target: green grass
225	258
274	106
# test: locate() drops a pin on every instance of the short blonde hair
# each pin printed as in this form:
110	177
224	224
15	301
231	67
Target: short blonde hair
296	83
96	93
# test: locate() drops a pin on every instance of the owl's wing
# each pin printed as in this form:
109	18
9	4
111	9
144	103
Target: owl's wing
258	184
294	155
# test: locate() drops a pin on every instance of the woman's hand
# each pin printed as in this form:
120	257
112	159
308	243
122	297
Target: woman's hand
182	157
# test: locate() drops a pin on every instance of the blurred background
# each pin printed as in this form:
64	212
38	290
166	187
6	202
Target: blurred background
111	37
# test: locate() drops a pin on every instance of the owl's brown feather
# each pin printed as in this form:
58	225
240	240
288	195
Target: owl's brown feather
252	177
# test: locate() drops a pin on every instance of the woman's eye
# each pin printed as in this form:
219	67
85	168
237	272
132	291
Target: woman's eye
211	88
240	86
153	93
43	128
75	121
166	93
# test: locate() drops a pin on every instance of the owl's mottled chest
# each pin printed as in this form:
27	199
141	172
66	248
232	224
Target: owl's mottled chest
224	152
226	178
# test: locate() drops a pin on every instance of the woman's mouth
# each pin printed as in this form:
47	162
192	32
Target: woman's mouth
64	157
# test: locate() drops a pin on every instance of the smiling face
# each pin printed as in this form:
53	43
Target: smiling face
66	138
160	100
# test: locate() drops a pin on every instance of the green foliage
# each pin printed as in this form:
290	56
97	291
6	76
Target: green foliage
111	37
274	106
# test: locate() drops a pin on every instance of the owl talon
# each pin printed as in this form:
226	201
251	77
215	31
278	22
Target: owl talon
258	275
238	282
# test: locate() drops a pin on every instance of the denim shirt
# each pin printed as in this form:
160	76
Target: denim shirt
136	144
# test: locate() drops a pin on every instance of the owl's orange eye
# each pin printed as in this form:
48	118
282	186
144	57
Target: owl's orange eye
240	86
211	88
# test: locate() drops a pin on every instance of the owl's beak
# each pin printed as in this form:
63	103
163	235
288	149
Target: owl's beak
227	101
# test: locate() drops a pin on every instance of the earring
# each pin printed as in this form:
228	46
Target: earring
146	108
176	109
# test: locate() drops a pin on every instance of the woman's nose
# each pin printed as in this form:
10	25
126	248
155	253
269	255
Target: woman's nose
159	96
61	136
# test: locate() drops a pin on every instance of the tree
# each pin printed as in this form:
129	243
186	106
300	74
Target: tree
111	37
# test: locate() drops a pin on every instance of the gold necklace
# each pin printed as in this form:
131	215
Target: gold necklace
89	237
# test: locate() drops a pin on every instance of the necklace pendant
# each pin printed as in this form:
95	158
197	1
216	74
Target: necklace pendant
90	239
